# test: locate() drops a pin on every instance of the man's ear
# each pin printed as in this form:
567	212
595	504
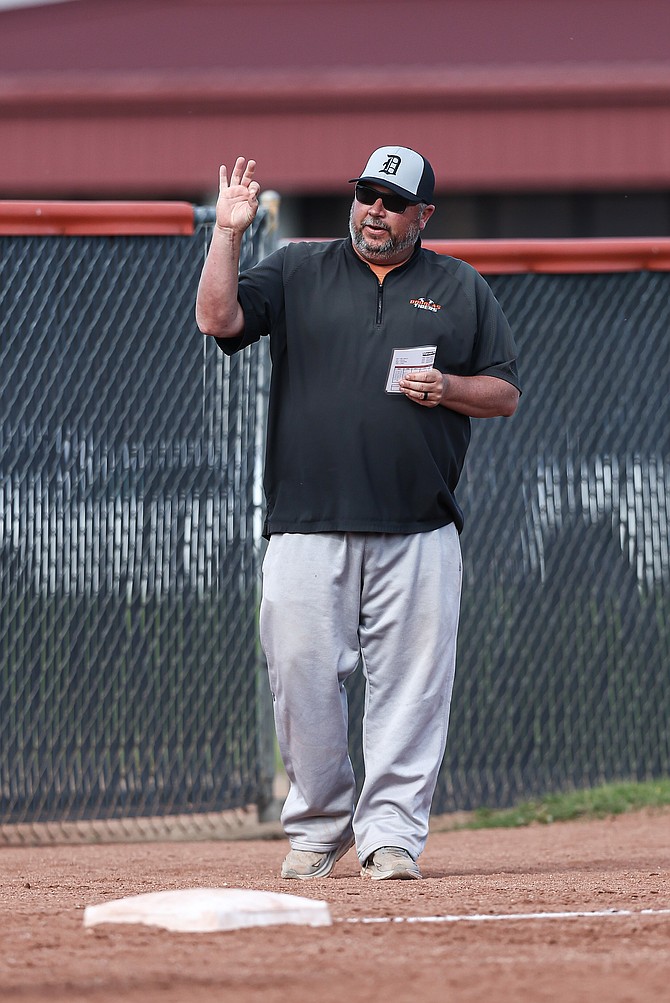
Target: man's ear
427	212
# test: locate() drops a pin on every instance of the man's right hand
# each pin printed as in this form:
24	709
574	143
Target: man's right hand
237	203
217	309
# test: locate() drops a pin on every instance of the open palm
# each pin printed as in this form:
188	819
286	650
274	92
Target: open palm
237	203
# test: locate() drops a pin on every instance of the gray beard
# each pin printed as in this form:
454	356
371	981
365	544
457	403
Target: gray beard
390	247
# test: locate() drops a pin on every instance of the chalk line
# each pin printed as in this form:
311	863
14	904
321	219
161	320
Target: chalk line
507	917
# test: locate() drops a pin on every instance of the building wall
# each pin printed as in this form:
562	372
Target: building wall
549	114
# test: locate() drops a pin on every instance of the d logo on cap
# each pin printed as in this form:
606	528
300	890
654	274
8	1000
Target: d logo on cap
391	165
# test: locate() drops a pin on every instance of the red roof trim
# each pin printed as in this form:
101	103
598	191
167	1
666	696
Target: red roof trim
621	85
96	218
607	255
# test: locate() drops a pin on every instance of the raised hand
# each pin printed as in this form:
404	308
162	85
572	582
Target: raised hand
237	203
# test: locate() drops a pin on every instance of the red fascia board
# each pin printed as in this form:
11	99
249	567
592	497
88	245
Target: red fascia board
504	257
96	218
496	257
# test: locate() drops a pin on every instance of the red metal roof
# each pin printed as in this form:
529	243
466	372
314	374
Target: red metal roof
104	98
173	35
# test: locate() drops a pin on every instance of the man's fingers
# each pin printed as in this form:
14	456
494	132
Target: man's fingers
424	388
242	174
249	172
238	171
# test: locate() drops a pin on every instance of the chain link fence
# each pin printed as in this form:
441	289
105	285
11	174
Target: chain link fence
130	501
563	671
131	681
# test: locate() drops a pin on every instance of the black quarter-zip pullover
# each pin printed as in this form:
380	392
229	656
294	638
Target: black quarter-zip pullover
342	454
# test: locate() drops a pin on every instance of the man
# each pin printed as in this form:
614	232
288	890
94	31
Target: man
365	446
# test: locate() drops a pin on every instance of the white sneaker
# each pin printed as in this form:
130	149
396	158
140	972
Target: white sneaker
390	863
305	864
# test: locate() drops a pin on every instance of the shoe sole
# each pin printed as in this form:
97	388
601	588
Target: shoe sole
390	875
324	870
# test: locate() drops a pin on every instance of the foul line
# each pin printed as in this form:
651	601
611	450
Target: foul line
507	917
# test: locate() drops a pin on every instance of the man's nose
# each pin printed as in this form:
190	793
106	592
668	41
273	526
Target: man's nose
377	207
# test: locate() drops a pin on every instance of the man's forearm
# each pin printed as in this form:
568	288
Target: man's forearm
217	311
479	396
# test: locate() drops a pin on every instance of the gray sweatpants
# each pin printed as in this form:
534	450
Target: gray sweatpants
392	601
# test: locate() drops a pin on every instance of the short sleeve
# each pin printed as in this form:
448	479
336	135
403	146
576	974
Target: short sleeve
494	352
261	296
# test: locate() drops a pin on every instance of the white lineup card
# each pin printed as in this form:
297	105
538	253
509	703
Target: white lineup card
408	360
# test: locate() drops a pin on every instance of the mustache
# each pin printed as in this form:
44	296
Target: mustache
377	223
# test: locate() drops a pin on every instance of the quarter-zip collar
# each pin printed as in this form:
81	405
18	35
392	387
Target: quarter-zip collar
399	268
379	308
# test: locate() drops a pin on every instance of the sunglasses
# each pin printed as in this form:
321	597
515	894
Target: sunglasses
391	202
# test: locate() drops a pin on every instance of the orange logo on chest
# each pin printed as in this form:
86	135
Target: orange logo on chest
425	304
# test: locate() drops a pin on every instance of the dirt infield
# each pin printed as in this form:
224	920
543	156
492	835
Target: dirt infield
620	864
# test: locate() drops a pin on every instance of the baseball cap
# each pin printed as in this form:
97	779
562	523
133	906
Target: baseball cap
403	171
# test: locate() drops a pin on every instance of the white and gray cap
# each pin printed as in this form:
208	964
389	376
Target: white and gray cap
403	171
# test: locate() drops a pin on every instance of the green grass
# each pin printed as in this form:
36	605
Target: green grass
598	802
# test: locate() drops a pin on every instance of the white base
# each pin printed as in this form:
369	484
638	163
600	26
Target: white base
204	910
